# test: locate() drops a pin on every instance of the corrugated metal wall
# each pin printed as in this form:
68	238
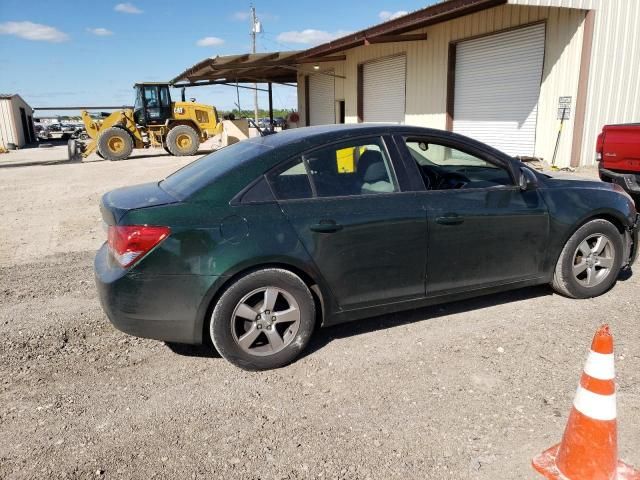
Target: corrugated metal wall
580	4
427	63
614	75
7	125
614	81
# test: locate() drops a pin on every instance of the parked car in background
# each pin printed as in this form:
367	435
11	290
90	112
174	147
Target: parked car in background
57	131
618	155
253	245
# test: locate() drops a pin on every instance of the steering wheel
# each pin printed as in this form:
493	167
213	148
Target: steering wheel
452	181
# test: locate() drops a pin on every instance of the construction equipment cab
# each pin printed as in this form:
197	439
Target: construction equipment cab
155	121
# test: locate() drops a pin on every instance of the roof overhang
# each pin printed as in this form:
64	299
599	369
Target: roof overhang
393	30
270	67
282	67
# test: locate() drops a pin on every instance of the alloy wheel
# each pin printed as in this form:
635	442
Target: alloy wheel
265	321
593	260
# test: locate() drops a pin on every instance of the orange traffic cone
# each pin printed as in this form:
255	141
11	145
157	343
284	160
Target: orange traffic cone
589	447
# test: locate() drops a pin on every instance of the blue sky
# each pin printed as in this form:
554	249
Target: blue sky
69	52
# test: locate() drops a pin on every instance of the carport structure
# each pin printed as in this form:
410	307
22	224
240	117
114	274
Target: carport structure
247	70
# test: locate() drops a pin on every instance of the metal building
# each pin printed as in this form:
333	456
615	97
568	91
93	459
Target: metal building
16	121
532	77
502	71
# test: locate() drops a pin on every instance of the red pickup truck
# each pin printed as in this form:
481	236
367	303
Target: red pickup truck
618	155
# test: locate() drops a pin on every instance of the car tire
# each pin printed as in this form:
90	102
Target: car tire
115	144
182	140
587	268
252	343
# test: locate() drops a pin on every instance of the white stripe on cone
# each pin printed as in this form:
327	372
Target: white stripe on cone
594	405
600	366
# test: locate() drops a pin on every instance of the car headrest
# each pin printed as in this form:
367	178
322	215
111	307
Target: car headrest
371	167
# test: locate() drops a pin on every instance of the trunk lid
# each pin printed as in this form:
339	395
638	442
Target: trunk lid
116	203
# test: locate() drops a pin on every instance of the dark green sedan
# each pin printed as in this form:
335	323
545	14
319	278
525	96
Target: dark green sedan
254	245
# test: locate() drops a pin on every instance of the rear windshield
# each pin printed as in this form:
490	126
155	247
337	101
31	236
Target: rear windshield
196	175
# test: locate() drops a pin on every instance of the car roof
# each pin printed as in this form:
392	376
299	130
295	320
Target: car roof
330	133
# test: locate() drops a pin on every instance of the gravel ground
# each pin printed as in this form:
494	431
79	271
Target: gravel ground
470	390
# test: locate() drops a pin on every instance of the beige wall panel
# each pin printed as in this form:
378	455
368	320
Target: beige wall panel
578	4
614	81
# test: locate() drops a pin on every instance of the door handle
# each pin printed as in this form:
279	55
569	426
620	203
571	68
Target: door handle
450	219
326	226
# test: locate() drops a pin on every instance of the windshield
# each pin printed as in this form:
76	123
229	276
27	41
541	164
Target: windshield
197	175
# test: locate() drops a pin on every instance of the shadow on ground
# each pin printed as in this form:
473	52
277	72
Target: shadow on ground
324	336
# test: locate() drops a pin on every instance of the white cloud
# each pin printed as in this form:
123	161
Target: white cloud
33	31
101	32
310	36
241	16
127	8
209	42
386	15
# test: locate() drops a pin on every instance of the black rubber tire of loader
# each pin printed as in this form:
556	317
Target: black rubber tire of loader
106	144
182	140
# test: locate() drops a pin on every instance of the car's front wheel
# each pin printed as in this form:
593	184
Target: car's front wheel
590	261
263	320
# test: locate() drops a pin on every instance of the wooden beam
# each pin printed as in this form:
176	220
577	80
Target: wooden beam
360	93
583	85
333	58
217	82
271	56
395	38
307	117
451	83
241	58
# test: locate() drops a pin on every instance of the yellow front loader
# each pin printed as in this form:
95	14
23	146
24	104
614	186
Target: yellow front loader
154	121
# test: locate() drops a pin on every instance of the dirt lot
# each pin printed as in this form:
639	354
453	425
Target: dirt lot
470	390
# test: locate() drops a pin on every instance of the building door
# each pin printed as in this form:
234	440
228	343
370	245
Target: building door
341	111
322	99
25	126
497	87
32	132
384	90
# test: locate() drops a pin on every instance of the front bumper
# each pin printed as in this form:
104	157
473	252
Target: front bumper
632	235
628	181
162	307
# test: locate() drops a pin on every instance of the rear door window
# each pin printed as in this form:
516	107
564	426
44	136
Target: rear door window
291	181
357	167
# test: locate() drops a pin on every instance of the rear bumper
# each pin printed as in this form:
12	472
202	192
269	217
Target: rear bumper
162	307
628	181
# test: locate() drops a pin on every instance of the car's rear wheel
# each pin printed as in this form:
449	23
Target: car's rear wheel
263	320
590	261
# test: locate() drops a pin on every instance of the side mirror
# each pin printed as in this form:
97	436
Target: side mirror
528	179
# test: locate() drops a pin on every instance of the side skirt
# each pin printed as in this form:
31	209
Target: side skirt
351	315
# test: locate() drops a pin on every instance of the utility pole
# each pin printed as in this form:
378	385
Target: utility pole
255	28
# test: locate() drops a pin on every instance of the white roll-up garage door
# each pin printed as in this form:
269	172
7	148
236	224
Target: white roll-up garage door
322	99
497	87
383	90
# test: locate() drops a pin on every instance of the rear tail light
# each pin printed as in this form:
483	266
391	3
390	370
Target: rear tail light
129	243
599	147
